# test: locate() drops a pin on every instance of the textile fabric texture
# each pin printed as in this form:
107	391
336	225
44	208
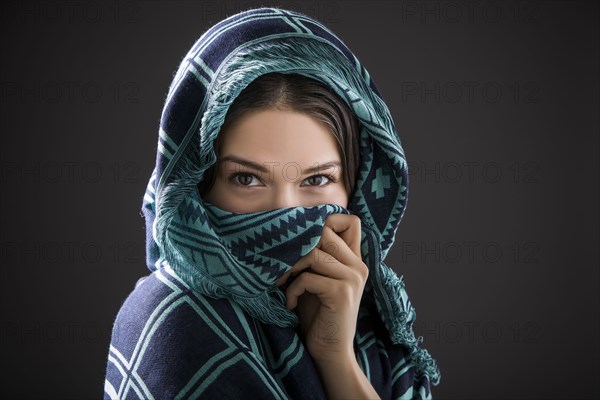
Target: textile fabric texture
209	321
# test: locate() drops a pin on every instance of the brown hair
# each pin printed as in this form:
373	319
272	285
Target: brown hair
301	94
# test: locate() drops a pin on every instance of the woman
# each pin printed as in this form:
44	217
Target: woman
278	188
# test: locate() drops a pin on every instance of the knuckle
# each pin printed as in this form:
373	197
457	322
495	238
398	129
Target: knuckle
364	269
362	272
365	277
325	234
303	278
355	219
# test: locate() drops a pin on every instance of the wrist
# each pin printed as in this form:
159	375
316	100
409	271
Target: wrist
334	358
337	361
344	379
344	369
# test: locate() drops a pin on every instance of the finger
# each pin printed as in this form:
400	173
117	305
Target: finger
283	278
348	227
311	283
344	254
335	245
322	263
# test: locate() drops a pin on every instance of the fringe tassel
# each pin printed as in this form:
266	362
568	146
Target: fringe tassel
267	307
397	313
296	55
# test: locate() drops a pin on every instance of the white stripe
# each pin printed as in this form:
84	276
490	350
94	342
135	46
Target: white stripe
156	318
166	152
167	139
148	198
422	393
407	395
150	187
166	281
227	26
208	41
110	390
119	356
203	65
302	25
290	23
118	365
197	74
143	385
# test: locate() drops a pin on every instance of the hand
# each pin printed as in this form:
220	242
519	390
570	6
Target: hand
328	290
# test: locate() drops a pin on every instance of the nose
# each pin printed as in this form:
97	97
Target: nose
285	196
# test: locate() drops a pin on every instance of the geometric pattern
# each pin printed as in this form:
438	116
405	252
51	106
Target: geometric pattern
246	253
160	351
217	264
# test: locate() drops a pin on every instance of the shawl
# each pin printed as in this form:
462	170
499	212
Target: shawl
209	320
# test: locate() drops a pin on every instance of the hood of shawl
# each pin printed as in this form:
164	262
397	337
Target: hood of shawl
220	64
184	232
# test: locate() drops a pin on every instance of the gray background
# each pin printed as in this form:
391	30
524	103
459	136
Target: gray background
496	105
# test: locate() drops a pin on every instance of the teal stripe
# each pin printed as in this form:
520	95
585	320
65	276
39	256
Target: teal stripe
147	328
239	344
399	365
408	395
269	383
292	348
165	136
292	363
401	372
381	348
198	75
164	151
242	274
193	128
166	281
244	322
147	334
215	374
200	373
209	39
290	23
367	368
297	20
361	339
423	394
400	369
204	67
256	17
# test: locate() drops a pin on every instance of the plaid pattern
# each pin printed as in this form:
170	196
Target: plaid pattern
170	342
208	322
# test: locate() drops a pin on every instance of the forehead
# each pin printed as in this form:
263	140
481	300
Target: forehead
280	136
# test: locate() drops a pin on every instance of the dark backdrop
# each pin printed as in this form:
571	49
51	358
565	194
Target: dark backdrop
496	105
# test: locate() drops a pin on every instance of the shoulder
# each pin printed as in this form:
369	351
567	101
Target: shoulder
162	302
164	334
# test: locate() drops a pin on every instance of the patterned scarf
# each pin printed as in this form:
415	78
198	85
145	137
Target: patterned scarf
238	256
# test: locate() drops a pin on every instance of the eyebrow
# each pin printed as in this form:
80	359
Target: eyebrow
264	169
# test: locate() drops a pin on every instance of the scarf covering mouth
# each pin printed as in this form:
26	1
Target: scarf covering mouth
239	256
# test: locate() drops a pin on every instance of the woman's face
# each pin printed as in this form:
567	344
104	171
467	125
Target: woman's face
274	159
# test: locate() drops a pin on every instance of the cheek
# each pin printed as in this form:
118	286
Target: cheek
340	196
217	195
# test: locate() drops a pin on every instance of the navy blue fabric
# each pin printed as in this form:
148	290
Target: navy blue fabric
209	322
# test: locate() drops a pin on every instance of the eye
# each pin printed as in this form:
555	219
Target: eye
320	180
245	179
